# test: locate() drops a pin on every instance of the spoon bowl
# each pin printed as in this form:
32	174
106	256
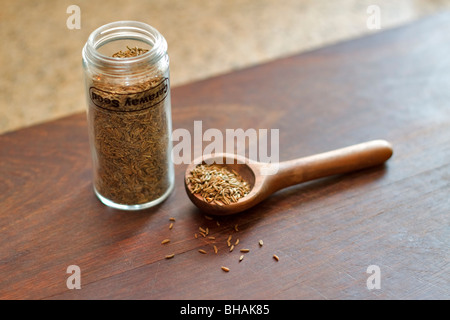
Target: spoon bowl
250	173
266	178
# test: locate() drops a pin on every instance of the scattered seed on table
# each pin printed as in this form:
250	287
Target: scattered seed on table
172	219
231	248
236	227
201	229
237	242
202	251
276	257
241	258
203	235
245	250
195	236
171	226
211	238
261	243
170	256
165	241
215	250
225	269
218	224
208	218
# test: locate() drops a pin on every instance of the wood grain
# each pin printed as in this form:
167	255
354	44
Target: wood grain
392	85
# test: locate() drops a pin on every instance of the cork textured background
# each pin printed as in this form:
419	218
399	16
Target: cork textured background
40	57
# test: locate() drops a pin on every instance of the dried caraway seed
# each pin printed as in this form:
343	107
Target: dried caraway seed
276	257
231	248
131	52
172	219
261	243
171	226
131	144
202	251
165	241
215	249
170	256
237	242
225	269
217	184
241	258
245	250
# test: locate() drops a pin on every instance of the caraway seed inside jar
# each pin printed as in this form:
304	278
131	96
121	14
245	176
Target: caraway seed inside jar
126	70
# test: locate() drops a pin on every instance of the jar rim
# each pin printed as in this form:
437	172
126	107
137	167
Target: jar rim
120	30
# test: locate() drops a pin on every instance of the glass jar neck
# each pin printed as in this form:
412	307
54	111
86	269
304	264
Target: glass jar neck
123	31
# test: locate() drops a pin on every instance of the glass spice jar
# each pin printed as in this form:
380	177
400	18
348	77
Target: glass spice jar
129	114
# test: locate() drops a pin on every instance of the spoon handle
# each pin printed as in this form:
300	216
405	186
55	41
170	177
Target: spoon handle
356	157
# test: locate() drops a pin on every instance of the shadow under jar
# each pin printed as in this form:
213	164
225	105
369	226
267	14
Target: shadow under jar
129	115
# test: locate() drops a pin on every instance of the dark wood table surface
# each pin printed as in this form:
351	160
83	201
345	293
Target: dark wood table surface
393	85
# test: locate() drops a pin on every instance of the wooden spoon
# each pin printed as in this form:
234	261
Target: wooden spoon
288	173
